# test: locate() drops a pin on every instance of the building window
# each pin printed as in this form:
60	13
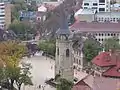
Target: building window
99	34
79	62
111	34
114	19
94	4
102	34
86	4
102	39
94	7
74	60
2	15
101	1
101	9
99	39
108	34
58	51
114	34
67	53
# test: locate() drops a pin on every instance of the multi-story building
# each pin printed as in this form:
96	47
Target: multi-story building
2	15
87	15
27	15
5	15
99	5
90	15
113	17
101	31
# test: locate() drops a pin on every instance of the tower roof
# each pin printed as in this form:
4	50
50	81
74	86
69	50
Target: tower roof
64	29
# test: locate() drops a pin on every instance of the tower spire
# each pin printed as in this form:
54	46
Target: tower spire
64	29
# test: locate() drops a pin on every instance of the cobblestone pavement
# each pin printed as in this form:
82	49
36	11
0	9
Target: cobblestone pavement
42	69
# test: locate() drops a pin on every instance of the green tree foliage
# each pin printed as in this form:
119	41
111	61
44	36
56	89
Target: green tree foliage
91	49
24	77
64	84
18	5
111	43
48	47
21	29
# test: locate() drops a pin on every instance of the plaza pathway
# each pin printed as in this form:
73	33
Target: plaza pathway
42	69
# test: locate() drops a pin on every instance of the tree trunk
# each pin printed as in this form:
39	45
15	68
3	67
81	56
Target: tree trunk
19	87
11	84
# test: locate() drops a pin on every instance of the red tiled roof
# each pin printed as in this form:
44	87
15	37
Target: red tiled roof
98	83
81	85
95	26
103	83
114	71
104	59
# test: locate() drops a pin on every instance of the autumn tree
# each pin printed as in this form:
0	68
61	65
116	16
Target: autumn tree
11	53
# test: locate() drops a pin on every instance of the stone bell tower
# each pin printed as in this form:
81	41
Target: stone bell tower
64	59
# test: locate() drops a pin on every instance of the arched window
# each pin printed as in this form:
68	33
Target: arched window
67	52
57	51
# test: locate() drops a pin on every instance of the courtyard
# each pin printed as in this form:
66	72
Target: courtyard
42	70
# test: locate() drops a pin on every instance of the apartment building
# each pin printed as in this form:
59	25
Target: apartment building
2	15
99	5
5	15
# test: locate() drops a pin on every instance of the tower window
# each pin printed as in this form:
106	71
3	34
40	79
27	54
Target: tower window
67	53
58	51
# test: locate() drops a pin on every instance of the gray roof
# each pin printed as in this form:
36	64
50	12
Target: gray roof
64	29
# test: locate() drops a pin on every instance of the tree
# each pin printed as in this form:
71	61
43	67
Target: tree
91	49
64	84
48	47
21	29
111	43
11	53
24	76
18	5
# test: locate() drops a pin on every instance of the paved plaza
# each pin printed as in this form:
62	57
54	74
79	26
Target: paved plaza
42	69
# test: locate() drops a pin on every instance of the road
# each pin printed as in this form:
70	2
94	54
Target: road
41	70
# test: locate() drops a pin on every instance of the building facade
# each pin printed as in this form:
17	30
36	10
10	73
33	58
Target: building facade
5	15
113	17
99	5
101	31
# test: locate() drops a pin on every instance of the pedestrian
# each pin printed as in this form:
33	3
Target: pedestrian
39	86
43	87
51	67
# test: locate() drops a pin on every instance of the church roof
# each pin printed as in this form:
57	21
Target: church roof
64	29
